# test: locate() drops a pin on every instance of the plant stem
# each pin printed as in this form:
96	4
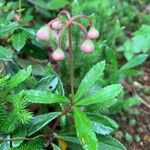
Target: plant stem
21	138
71	64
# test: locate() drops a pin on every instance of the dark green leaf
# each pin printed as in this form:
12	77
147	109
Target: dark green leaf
40	121
101	96
85	132
109	143
44	97
5	54
91	77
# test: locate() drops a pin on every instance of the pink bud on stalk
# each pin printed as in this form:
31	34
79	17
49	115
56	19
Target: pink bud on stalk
57	25
43	33
58	54
93	33
87	46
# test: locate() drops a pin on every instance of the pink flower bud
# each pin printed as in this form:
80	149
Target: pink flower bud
57	25
93	33
87	46
43	33
58	54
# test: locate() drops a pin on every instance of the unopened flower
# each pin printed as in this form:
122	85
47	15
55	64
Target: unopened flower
43	33
58	54
93	33
87	46
57	25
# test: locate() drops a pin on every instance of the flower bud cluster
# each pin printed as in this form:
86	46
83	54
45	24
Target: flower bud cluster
44	34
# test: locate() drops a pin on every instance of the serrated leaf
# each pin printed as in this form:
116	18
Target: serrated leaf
6	30
44	97
5	54
91	77
109	143
84	130
101	96
137	60
40	121
102	124
19	78
19	40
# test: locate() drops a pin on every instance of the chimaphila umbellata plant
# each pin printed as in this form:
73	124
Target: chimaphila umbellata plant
72	123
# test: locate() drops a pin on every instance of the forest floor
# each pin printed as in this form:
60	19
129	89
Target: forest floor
135	126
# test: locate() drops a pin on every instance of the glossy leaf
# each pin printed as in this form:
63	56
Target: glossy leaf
102	124
137	60
40	121
19	78
91	77
19	40
109	143
101	96
44	97
84	130
5	54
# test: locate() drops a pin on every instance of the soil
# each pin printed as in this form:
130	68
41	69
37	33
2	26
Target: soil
141	126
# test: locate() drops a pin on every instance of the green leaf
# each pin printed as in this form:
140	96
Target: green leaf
84	130
19	78
131	72
137	60
19	40
109	143
102	124
57	4
44	97
40	121
6	30
91	77
112	57
101	96
26	19
5	54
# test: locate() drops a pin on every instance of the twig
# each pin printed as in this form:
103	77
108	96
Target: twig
21	138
